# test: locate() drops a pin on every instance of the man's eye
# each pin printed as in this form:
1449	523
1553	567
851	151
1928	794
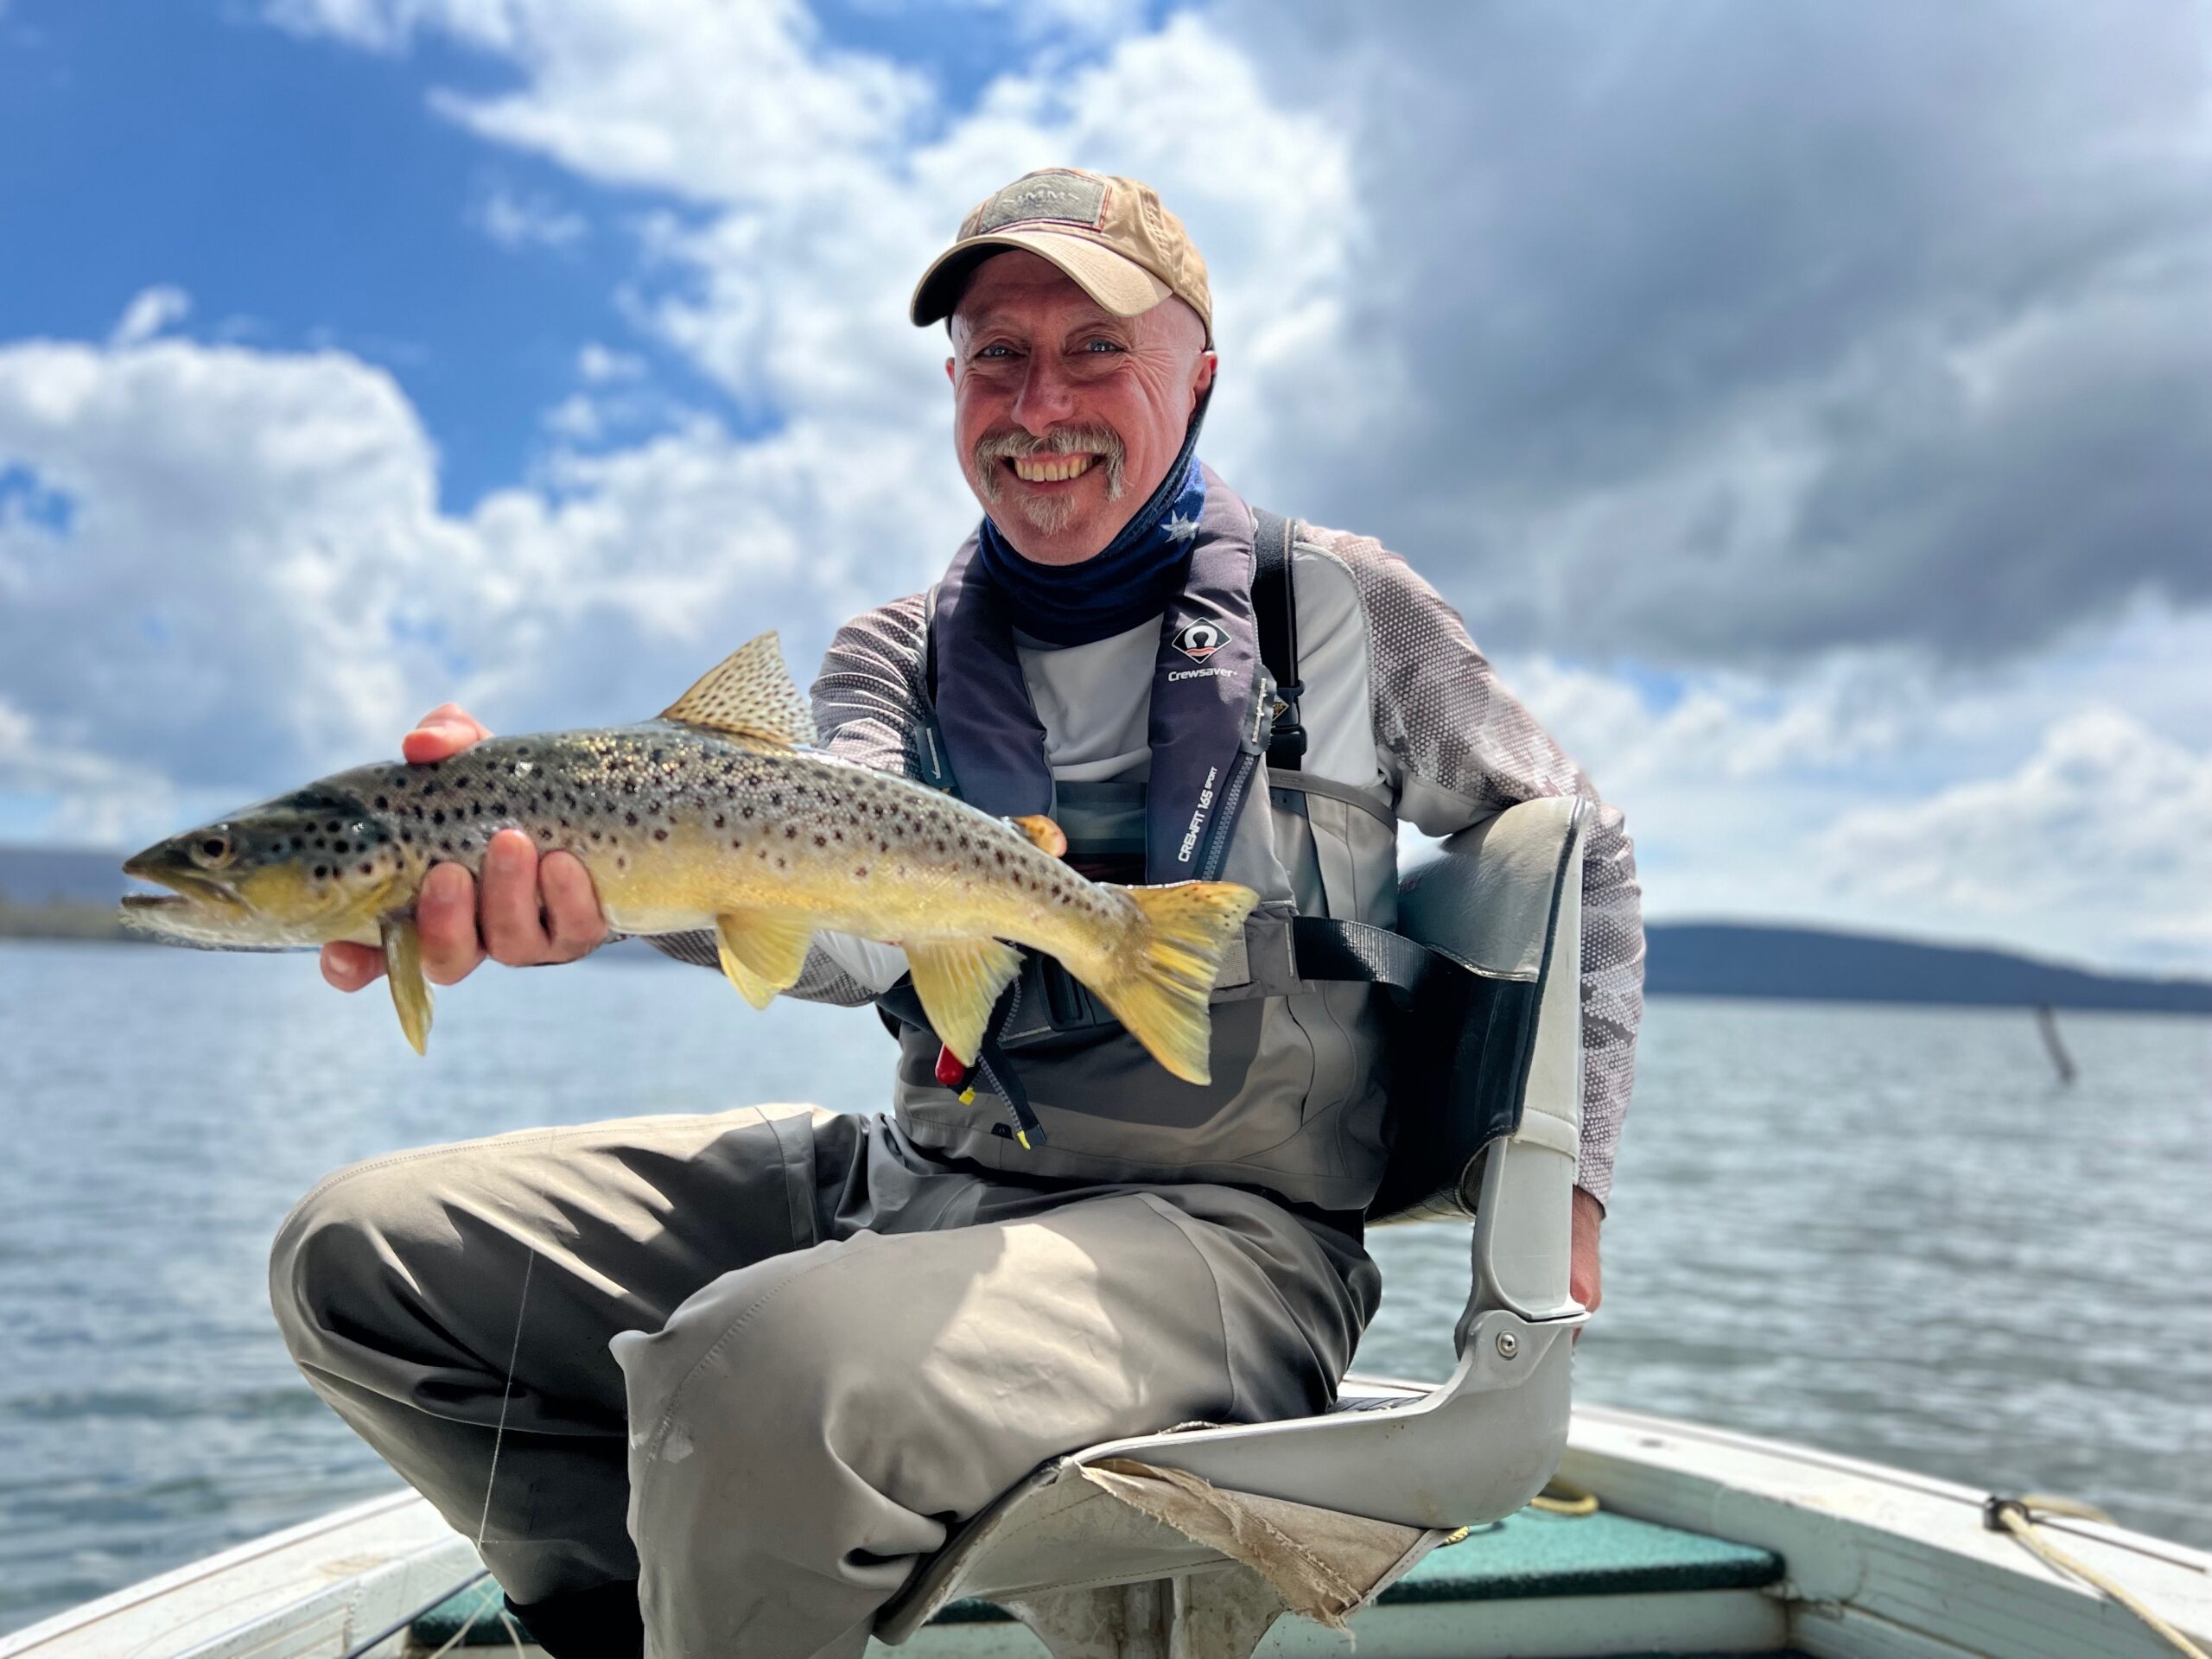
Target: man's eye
1102	346
995	351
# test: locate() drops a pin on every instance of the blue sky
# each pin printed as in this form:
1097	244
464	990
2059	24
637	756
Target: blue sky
302	193
1807	406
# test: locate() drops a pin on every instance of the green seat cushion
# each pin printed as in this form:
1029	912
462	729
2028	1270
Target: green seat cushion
1534	1554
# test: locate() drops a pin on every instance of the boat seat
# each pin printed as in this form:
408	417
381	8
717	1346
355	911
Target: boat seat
1194	1540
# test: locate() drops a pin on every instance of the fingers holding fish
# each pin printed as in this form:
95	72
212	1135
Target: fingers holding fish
573	919
350	967
444	732
535	911
446	914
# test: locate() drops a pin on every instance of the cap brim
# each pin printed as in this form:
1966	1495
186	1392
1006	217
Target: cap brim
1121	285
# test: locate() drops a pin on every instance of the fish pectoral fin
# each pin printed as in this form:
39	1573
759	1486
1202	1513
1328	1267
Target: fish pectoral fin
402	967
748	693
762	951
959	981
1043	833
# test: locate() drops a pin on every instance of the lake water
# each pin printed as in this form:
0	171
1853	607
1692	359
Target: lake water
1887	1231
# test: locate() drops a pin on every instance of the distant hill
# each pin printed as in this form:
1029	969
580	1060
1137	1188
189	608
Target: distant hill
1686	959
46	876
1743	959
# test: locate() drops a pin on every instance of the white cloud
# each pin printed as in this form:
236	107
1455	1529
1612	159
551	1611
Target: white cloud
519	221
150	313
256	581
2101	835
596	365
94	799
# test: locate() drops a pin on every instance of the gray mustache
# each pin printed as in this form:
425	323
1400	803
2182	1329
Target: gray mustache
1011	446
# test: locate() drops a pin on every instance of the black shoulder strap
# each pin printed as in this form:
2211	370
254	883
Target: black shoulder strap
1275	605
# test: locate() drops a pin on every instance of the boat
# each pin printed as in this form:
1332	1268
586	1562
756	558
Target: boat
1477	1517
1699	1541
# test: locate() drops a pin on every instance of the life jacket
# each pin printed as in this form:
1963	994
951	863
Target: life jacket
1296	1103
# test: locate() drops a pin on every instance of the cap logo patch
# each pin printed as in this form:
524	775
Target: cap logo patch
1068	198
1199	641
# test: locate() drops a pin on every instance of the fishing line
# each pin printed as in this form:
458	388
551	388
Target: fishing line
522	1305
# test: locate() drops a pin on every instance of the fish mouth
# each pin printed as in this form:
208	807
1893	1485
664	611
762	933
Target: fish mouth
186	888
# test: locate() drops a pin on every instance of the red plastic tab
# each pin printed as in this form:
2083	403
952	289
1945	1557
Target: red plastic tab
950	1071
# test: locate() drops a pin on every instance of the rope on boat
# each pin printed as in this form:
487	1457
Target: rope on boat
2014	1515
362	1649
1562	1497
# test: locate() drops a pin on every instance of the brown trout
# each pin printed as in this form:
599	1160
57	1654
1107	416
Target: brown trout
720	814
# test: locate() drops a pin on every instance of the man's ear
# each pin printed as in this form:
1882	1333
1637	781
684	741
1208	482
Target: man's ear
1201	381
948	371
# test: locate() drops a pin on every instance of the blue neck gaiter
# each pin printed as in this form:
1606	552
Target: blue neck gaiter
1135	577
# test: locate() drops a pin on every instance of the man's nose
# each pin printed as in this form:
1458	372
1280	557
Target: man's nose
1047	396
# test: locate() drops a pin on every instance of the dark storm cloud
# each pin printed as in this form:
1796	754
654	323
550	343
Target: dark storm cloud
1735	331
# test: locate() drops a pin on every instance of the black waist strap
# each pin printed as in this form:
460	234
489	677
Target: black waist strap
1331	949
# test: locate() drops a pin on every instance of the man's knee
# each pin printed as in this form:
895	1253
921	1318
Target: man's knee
775	1345
780	1373
330	1265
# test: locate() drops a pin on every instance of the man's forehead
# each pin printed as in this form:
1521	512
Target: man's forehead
1020	287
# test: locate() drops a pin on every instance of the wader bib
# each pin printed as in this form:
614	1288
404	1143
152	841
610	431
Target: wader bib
1296	1103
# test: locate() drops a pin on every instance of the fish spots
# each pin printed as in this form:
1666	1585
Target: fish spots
790	832
660	834
822	841
383	803
322	872
438	817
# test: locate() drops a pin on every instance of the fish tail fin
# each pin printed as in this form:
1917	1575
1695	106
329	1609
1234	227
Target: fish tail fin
1157	983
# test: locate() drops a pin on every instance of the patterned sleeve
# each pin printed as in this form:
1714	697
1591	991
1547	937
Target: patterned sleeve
865	700
1457	747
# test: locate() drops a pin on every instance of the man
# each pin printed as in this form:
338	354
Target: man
791	1351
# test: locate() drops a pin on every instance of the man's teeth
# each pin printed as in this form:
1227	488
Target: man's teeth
1048	469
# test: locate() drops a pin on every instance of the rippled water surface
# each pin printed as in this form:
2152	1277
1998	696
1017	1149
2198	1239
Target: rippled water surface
1886	1231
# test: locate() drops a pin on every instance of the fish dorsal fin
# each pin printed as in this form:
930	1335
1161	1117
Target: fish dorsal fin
748	693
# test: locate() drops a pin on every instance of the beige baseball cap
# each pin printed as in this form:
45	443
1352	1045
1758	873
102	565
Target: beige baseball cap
1109	234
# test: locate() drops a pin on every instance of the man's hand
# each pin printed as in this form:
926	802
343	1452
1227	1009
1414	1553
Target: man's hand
1584	1282
532	909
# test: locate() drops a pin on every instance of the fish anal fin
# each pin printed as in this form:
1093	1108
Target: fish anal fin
762	950
403	967
958	981
1043	833
748	693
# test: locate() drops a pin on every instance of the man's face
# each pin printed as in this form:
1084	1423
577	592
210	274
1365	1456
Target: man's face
1067	416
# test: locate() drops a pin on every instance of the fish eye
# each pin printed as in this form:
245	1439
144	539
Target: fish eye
213	849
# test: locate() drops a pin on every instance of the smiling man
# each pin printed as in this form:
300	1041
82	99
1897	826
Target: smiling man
713	1384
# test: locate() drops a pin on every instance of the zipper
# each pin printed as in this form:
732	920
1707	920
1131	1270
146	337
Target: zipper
1249	749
